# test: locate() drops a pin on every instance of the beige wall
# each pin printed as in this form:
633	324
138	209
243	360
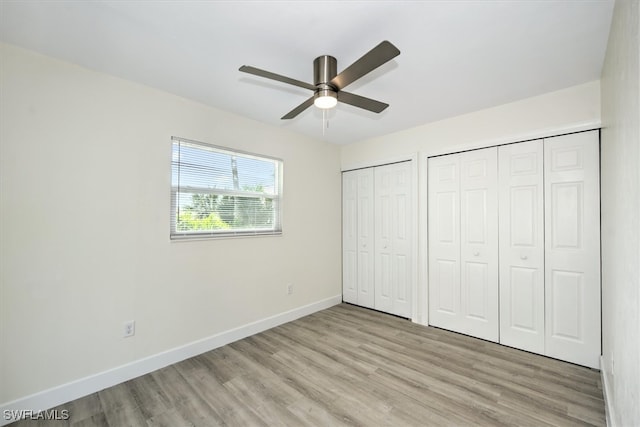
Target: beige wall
84	222
620	178
571	108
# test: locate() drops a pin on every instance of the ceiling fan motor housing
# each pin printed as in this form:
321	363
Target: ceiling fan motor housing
325	68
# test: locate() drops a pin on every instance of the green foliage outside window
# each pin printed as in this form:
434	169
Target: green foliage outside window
219	212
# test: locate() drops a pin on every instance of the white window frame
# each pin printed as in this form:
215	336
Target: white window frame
176	235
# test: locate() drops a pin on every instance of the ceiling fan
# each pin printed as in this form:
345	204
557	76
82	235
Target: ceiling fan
328	84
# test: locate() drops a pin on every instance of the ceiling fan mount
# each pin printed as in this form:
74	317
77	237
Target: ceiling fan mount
325	68
328	84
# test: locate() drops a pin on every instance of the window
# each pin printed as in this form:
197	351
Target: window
219	192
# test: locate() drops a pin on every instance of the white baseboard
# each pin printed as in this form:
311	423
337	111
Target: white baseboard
606	392
79	388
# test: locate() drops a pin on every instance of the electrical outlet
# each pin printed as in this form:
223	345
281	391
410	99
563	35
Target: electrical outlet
129	329
290	289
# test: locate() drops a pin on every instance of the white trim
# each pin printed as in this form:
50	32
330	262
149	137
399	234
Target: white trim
423	241
606	392
415	248
520	137
379	162
84	386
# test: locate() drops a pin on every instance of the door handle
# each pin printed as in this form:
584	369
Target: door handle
523	257
476	253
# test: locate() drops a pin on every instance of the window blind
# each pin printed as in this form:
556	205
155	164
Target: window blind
217	192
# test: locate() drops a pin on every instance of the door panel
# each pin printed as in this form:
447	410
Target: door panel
403	293
567	204
403	218
475	216
366	240
393	239
446	216
357	237
402	233
476	290
383	279
463	243
444	242
572	252
445	273
521	211
524	214
479	242
567	300
349	237
524	311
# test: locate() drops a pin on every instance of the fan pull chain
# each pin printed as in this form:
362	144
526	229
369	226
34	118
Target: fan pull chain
325	123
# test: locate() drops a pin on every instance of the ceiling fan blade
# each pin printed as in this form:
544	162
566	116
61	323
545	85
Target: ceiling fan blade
371	60
273	76
299	109
362	102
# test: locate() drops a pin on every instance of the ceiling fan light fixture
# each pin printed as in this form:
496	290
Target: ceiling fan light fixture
327	83
325	99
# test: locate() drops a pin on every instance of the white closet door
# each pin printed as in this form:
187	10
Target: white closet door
572	248
463	243
366	242
521	212
357	237
479	242
444	242
350	237
393	259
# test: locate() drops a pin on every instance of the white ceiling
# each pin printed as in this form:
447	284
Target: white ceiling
457	56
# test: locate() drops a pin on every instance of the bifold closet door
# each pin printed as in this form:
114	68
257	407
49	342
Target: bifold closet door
521	212
393	234
358	237
444	242
479	242
572	248
463	243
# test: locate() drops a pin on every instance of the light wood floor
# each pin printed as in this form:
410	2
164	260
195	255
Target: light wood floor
351	366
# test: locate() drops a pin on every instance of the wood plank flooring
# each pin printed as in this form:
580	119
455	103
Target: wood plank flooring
350	366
